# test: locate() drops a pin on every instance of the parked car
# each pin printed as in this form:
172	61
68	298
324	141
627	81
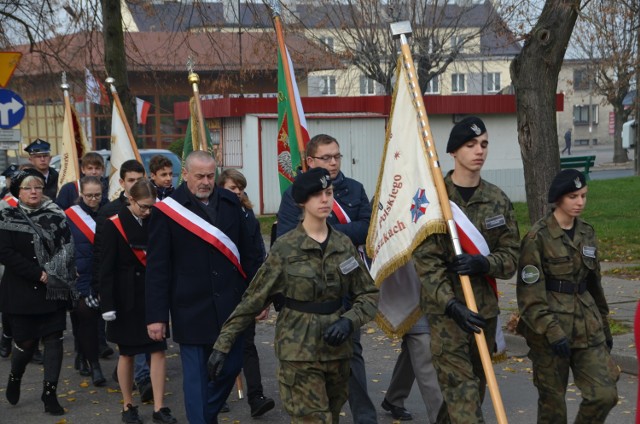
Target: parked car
145	155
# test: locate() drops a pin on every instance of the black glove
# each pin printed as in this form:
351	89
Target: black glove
92	301
609	343
338	332
466	319
561	348
215	363
466	264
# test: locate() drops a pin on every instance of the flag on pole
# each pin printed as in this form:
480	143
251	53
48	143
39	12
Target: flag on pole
74	146
192	136
142	111
406	210
121	151
289	155
96	91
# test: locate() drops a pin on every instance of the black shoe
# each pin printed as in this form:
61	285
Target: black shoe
105	351
38	357
96	375
130	416
225	407
50	399
5	346
397	412
82	365
145	389
163	416
260	405
13	389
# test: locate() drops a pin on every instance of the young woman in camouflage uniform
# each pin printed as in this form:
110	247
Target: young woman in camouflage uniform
313	267
563	309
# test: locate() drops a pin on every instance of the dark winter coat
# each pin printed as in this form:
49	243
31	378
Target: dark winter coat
83	249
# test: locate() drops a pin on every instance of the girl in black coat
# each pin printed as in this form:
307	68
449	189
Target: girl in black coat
122	298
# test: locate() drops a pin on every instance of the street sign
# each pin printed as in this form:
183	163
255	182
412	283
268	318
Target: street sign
12	109
8	63
10	139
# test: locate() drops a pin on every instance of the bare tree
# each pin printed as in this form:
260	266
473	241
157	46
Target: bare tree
605	34
534	74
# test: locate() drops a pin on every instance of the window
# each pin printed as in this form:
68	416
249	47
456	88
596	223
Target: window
328	43
581	114
367	86
457	43
433	86
327	85
493	82
580	79
458	83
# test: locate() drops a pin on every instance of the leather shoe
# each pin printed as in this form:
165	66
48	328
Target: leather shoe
260	405
397	412
225	407
5	346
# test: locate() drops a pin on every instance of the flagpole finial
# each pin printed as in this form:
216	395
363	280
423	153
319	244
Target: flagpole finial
111	82
64	84
401	28
274	5
193	78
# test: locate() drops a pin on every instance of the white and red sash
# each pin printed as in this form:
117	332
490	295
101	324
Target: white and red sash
337	210
83	221
139	253
202	229
471	240
11	200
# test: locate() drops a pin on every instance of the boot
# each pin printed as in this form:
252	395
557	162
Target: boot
50	399
82	365
13	389
96	374
38	357
5	346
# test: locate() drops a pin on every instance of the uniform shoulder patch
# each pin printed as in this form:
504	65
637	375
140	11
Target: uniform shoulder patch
348	265
530	274
589	251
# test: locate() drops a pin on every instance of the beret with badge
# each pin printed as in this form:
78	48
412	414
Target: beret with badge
565	181
18	178
465	130
310	182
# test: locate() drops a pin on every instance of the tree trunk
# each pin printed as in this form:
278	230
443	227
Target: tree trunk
115	58
534	73
620	116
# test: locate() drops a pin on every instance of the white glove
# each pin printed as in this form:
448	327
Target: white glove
109	316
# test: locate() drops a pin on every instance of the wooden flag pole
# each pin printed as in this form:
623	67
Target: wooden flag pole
400	30
111	82
275	8
72	133
194	79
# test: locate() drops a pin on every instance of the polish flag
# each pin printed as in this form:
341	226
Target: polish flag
142	110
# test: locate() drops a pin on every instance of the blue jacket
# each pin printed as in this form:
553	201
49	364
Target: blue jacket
83	250
349	194
190	280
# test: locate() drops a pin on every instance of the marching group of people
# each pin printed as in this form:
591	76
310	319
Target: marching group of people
189	263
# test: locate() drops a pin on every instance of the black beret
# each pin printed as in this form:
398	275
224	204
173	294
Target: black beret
565	181
465	130
10	171
310	182
17	179
38	146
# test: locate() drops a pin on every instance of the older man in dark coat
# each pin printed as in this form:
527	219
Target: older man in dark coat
200	261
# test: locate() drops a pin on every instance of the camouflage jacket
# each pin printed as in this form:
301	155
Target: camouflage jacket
297	268
547	253
487	207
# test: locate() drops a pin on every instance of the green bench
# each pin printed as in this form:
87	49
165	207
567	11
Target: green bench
576	162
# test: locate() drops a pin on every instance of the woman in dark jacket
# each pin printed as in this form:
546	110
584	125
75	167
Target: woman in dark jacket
37	251
81	219
122	295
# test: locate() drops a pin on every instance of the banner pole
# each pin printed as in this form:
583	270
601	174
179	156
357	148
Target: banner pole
116	98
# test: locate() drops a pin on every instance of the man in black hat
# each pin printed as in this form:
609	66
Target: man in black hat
8	174
40	157
487	217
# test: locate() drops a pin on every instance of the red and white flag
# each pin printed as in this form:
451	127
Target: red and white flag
96	91
142	110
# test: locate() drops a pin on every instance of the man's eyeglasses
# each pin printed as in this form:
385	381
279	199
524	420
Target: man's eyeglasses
38	188
93	196
327	158
143	208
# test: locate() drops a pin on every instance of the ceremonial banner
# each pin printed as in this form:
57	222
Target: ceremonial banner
121	151
192	137
289	155
96	91
74	146
406	210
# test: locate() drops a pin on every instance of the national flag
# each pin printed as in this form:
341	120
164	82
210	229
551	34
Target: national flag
406	210
96	91
122	150
192	136
74	146
289	155
142	110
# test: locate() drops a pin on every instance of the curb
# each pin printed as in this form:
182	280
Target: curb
517	346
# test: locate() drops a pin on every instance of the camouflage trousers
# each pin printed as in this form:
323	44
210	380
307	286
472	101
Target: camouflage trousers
314	392
594	373
460	373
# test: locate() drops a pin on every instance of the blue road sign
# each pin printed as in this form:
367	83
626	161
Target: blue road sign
12	109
